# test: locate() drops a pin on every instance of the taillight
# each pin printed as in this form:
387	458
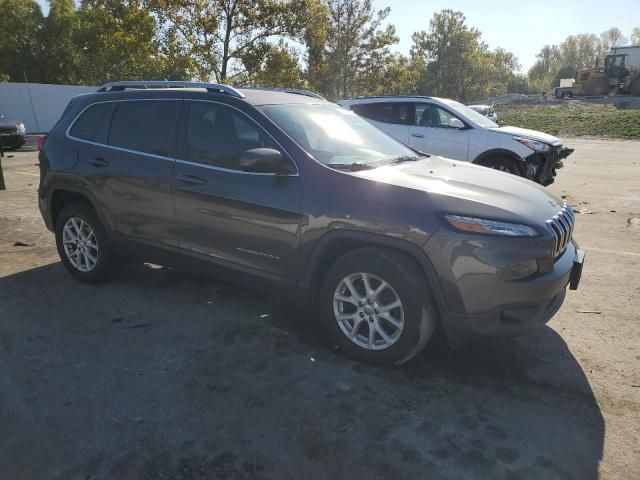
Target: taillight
41	139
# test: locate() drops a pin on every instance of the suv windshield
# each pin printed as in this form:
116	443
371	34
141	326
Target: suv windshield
470	113
336	136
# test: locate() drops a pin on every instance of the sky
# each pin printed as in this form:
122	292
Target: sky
522	27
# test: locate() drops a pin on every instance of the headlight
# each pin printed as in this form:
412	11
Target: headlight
489	227
21	129
533	145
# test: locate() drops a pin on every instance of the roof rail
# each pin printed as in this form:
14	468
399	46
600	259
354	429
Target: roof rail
144	84
295	91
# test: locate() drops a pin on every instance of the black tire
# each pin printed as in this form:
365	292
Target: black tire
407	283
105	255
504	164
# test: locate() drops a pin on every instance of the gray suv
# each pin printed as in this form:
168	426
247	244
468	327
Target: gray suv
289	193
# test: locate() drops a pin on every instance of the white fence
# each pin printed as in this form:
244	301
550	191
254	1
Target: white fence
37	105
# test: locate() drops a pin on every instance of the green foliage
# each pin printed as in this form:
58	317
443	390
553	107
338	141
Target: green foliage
20	24
117	40
59	55
218	35
458	64
352	50
575	120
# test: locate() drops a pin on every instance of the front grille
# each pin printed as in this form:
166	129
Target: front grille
561	225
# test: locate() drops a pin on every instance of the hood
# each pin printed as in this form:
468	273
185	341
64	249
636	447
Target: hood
530	134
466	189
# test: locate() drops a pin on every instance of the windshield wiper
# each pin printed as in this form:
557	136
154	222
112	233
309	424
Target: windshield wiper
354	167
405	158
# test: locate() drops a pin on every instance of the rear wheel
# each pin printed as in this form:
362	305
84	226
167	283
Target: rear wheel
82	244
376	306
502	163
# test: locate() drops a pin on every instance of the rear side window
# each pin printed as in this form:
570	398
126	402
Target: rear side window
93	124
398	113
145	126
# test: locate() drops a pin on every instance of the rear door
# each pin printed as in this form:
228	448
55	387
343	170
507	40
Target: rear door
431	133
246	220
394	118
127	160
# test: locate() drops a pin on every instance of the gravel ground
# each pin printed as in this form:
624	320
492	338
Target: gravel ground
162	374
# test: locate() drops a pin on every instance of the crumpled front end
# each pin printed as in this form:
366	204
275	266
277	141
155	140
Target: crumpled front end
541	166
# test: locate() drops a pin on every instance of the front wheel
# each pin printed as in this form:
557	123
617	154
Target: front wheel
375	304
504	164
82	244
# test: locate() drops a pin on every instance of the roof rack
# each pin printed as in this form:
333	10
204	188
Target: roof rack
144	84
295	91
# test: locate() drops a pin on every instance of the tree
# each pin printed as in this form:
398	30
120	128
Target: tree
58	55
219	34
613	38
117	40
276	66
635	36
458	63
354	47
20	23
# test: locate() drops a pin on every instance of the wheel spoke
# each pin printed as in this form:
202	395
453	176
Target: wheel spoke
342	317
380	288
390	306
367	285
382	333
393	321
352	289
372	336
355	328
90	256
344	298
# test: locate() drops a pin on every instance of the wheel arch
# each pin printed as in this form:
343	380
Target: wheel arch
63	195
500	152
332	245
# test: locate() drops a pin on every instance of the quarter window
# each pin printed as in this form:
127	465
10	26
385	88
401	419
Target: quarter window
93	124
397	113
218	135
144	126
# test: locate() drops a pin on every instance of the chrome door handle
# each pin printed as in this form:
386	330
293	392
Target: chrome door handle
98	162
191	180
417	135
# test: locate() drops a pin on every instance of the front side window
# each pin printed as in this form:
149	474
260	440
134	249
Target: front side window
93	124
334	135
218	135
145	126
429	115
396	113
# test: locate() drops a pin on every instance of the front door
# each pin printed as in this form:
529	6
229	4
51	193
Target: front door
246	220
432	133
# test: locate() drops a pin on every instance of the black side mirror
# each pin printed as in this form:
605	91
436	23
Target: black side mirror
264	160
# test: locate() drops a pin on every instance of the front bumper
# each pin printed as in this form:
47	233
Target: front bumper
543	166
497	307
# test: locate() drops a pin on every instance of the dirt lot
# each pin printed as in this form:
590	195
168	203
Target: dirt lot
161	374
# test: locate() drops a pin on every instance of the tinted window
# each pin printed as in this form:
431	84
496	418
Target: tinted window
93	124
218	135
144	126
398	113
428	115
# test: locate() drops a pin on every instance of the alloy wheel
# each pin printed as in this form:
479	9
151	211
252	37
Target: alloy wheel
80	244
368	311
